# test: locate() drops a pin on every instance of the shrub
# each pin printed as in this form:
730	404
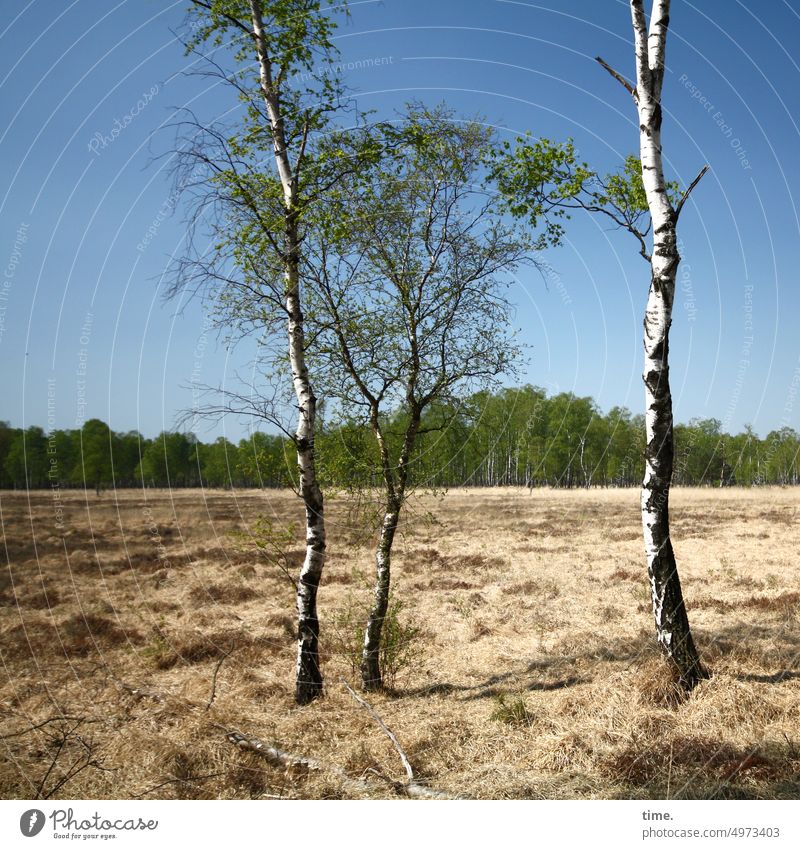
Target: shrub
400	635
511	711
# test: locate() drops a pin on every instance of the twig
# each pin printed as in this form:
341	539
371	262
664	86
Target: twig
688	191
214	678
178	781
80	763
73	771
45	722
40	788
283	569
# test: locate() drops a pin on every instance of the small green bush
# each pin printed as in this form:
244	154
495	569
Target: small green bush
512	711
400	650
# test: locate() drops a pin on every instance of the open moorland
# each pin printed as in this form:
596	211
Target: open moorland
138	628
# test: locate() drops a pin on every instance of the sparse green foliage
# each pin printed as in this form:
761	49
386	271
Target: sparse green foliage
543	180
302	51
408	302
535	179
400	650
410	270
271	541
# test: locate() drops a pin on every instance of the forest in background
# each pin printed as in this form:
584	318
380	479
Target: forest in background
512	437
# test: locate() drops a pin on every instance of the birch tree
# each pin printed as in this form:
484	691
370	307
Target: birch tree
411	272
671	621
255	218
544	179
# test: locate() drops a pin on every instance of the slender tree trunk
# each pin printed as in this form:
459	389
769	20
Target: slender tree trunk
672	624
308	679
669	611
395	482
586	480
371	676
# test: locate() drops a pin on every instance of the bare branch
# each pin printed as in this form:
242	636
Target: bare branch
256	405
300	763
42	724
230	18
617	76
412	779
85	759
688	191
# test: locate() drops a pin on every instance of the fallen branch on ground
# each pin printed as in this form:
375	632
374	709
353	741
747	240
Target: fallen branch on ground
365	784
277	757
413	787
300	763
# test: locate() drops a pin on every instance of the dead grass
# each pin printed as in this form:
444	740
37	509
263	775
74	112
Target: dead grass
536	676
223	594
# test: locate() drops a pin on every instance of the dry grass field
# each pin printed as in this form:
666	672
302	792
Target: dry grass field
534	673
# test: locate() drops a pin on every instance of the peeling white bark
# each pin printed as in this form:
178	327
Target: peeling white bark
308	677
672	625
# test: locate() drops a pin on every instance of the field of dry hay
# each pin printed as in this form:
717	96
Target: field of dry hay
535	674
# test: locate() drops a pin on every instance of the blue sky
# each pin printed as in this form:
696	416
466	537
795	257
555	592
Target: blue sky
84	331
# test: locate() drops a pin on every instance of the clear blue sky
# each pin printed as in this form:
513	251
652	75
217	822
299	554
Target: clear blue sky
81	314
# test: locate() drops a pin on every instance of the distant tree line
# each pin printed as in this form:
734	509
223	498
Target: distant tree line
513	437
97	457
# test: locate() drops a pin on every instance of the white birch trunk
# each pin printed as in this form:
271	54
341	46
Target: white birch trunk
308	679
395	482
371	674
671	621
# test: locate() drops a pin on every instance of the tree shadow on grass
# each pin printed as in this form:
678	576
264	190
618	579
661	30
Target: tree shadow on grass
775	678
764	645
771	645
547	668
494	686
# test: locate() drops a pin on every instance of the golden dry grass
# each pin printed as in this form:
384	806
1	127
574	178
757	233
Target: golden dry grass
536	675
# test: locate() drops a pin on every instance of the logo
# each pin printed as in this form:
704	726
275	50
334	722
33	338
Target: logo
31	822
